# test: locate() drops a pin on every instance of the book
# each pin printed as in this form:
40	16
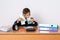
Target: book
47	25
44	31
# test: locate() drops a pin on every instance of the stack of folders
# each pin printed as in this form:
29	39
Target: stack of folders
47	28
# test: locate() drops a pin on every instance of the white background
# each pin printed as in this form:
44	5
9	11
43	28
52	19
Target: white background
44	11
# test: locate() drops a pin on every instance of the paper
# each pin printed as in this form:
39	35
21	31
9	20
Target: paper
22	22
5	28
28	27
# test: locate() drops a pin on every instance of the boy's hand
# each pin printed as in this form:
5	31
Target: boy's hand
19	19
32	19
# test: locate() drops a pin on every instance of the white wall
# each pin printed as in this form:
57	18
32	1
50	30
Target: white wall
44	11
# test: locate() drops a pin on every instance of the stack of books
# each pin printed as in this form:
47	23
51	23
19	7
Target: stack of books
47	28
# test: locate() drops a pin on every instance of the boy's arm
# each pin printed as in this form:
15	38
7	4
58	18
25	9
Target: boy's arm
33	22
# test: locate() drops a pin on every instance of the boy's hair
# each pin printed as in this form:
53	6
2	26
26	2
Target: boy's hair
26	10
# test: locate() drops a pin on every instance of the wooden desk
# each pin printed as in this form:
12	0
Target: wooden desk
23	35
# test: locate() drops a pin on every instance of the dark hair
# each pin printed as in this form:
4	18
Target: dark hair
26	10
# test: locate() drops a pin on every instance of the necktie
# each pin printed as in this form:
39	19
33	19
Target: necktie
26	22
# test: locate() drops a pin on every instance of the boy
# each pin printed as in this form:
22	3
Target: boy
25	19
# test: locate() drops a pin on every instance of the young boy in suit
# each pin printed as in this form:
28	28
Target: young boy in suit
25	19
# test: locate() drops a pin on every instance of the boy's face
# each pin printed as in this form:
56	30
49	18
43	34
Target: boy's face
27	15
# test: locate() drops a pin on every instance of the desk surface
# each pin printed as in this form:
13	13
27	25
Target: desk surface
23	32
